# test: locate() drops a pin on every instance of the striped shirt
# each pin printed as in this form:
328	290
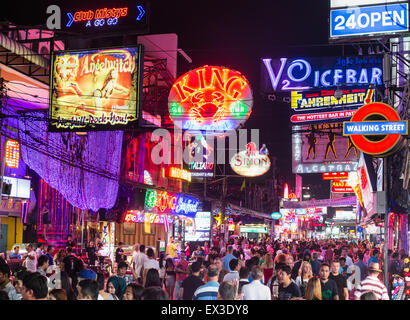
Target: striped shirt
374	285
208	291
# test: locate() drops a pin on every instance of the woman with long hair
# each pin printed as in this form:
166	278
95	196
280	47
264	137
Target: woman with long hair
313	289
112	288
153	279
267	267
305	274
66	285
170	277
133	292
59	257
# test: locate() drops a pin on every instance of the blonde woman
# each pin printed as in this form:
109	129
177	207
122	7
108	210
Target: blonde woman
267	267
305	274
313	289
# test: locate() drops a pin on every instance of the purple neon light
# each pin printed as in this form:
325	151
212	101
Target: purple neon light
83	189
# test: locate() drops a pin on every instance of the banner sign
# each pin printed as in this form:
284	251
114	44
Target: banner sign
172	203
341	186
335	175
377	20
322	148
249	229
178	173
311	211
139	217
375	127
346	201
201	157
96	89
302	74
323	106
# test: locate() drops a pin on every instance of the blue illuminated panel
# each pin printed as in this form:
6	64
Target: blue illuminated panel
380	19
375	127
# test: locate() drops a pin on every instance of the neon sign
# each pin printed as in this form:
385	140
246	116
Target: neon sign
341	186
178	173
139	217
304	74
250	162
168	202
210	98
105	16
11	153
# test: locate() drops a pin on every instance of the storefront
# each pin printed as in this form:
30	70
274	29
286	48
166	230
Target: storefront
254	231
11	225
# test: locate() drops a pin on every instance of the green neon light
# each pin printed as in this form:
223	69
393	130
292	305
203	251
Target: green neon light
239	109
176	109
150	198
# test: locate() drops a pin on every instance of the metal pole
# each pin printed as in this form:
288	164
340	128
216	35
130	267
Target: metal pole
386	221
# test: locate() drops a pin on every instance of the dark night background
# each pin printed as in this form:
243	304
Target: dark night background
235	34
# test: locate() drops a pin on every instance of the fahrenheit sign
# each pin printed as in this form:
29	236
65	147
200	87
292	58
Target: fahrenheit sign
12	152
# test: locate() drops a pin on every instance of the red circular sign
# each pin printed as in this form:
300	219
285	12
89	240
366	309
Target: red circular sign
376	148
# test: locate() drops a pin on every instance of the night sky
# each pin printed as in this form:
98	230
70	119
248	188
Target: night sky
235	34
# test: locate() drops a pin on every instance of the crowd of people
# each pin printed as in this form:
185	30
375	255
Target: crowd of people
239	270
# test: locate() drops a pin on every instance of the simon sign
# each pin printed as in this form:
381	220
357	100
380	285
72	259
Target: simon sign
210	98
376	129
250	163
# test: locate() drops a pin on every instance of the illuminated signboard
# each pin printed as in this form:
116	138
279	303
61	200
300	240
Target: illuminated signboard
345	215
178	173
210	98
300	74
323	106
169	202
341	186
201	157
12	153
253	229
96	89
139	217
276	215
311	211
20	188
106	17
322	148
378	138
335	175
250	163
374	20
200	229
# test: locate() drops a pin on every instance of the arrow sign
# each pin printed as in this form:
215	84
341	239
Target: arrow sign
142	12
71	20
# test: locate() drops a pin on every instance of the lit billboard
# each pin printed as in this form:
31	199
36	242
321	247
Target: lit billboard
210	98
302	74
200	229
322	148
318	106
367	19
96	89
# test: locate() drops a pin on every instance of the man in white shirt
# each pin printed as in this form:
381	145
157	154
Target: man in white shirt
151	263
138	260
256	290
31	259
349	260
235	266
40	250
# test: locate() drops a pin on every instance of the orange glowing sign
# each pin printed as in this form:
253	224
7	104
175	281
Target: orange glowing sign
178	173
11	153
210	98
292	196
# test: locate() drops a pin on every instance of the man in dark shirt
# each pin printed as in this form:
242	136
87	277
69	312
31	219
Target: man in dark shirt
329	287
340	280
70	242
91	254
191	283
315	264
287	288
119	253
362	266
72	265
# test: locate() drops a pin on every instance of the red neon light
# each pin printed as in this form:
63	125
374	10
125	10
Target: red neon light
178	173
335	175
210	95
166	201
292	196
11	153
286	192
372	147
321	116
341	186
100	14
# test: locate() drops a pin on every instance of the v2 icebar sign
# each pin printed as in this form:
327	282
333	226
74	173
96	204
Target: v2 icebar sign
368	21
301	74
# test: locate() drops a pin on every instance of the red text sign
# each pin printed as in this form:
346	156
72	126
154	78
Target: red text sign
341	186
335	175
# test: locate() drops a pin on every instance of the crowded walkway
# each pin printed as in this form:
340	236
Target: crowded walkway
239	270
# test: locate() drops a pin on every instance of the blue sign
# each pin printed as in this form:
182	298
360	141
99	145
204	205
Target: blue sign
301	74
375	127
380	19
359	229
